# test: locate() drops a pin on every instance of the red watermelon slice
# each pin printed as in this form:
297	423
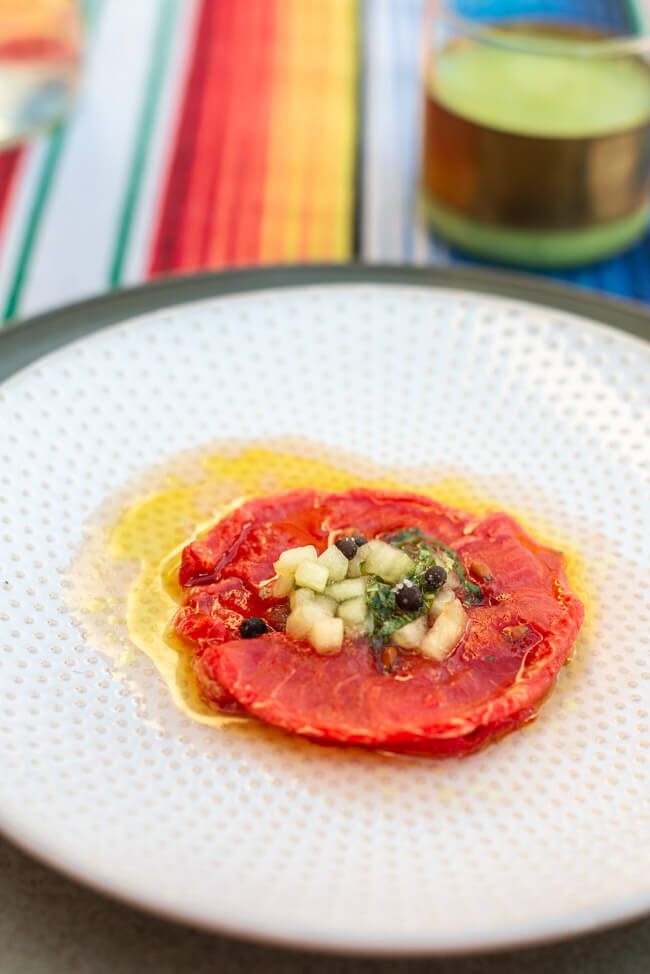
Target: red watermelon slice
518	637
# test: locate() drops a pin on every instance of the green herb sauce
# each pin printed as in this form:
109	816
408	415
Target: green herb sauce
425	553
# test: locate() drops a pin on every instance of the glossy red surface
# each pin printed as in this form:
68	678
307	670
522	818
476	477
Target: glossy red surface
517	640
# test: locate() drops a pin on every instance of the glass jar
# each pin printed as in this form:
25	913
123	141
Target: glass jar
40	52
536	140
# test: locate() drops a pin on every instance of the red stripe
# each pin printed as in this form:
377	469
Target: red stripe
213	204
209	143
245	209
8	168
214	145
166	252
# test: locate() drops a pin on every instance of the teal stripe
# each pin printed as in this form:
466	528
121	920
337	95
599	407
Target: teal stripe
33	221
636	16
91	9
159	61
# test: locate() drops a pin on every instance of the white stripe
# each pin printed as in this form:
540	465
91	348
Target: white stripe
371	135
392	177
19	206
382	175
391	166
75	242
427	248
403	95
381	172
161	146
420	243
412	57
420	236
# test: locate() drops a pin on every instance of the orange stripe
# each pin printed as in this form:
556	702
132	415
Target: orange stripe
274	213
321	165
298	105
245	227
311	163
310	177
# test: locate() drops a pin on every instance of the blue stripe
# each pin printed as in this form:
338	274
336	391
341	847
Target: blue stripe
610	15
408	107
638	261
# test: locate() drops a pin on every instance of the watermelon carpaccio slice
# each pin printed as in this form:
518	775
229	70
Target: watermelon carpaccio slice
494	681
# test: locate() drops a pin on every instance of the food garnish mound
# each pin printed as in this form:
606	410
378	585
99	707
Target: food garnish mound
376	618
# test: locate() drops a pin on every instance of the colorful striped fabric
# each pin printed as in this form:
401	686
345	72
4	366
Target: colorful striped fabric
231	133
262	169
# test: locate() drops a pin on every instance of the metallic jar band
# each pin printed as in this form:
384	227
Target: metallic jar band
533	182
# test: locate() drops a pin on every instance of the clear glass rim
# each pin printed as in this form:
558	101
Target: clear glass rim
483	32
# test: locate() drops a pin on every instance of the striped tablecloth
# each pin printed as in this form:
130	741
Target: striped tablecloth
221	133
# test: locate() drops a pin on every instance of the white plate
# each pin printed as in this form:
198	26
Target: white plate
541	835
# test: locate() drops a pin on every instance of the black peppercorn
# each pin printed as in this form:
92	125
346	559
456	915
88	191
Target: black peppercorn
408	596
252	627
434	578
347	547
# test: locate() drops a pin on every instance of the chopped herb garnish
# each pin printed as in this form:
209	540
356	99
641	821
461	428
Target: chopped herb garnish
490	659
387	617
425	553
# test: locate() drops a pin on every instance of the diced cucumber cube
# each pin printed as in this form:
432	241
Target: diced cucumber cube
453	581
335	562
311	575
443	598
326	635
305	596
412	634
354	565
326	604
349	588
289	560
352	611
301	620
445	632
301	596
389	563
282	585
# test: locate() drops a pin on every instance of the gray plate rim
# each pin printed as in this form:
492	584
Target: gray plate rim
25	340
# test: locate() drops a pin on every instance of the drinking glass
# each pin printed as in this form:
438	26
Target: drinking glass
536	130
40	51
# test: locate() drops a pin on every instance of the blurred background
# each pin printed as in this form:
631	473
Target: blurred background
159	137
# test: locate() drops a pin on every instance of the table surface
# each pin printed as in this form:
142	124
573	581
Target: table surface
49	925
156	174
234	134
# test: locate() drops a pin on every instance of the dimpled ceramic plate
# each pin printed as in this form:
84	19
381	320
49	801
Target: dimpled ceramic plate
489	401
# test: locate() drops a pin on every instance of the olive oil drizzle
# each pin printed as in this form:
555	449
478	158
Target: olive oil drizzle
133	566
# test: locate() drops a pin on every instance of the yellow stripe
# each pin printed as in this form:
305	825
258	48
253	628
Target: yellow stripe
310	165
333	235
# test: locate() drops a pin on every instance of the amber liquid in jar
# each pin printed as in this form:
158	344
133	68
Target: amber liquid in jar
540	158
